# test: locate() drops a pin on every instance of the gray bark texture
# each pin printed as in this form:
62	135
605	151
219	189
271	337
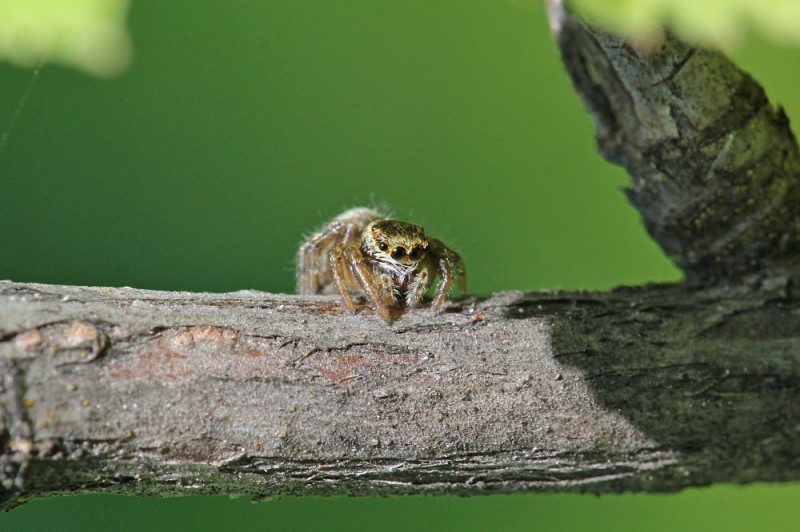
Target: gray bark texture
652	388
715	168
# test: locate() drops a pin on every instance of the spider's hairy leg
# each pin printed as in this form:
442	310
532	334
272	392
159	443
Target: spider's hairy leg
354	258
313	273
310	257
339	269
461	274
445	280
448	261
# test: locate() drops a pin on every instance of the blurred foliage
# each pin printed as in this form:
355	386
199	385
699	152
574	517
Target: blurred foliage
716	23
89	35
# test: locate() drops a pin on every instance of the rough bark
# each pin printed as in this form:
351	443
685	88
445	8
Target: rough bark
654	389
715	169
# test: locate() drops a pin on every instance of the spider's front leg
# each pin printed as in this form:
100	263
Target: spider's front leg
352	257
449	267
342	277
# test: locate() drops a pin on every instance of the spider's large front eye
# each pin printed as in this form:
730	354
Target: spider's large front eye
414	253
382	246
398	252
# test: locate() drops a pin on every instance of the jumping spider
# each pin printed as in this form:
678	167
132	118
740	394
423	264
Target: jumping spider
392	263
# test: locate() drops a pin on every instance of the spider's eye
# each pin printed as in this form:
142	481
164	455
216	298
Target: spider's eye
398	252
414	253
382	246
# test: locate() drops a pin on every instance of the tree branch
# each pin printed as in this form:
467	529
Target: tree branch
159	393
716	170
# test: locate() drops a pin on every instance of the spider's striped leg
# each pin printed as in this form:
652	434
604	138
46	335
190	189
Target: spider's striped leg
448	261
353	257
341	275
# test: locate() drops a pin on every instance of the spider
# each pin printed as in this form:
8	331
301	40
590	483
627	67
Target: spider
392	263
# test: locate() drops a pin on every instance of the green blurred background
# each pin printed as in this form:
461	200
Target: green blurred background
242	126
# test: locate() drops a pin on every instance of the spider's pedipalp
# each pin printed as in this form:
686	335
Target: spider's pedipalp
418	288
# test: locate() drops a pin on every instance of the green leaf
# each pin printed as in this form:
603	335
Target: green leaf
716	23
89	35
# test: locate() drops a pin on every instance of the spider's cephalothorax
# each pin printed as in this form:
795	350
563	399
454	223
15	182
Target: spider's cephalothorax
393	263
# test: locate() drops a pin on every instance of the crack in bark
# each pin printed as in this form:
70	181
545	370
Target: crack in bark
677	68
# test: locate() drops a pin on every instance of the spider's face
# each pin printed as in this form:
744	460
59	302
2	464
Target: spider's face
395	242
